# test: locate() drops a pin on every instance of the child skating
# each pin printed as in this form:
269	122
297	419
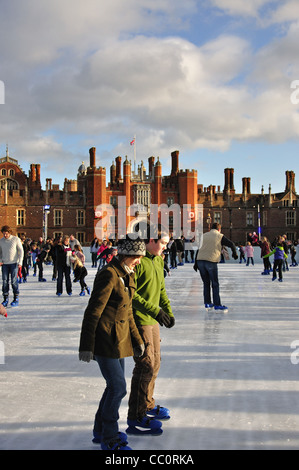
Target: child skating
279	257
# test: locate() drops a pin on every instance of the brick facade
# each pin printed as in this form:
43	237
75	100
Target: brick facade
73	208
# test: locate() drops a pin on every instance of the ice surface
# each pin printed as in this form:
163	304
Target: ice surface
230	380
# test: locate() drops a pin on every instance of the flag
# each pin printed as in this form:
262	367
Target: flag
132	142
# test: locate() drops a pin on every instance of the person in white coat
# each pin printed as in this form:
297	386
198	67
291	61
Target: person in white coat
11	259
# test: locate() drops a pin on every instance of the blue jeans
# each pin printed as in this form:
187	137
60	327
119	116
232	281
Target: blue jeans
106	419
209	276
10	270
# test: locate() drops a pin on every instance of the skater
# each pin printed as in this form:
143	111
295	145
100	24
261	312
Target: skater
151	308
265	250
94	246
80	271
279	257
40	260
73	241
293	254
285	244
242	254
249	250
63	255
25	264
102	247
34	253
206	261
11	259
173	252
109	334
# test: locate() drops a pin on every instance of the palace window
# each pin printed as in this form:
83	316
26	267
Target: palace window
217	217
57	217
80	217
80	237
290	218
249	219
20	217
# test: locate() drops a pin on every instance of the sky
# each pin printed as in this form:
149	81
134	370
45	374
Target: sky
215	79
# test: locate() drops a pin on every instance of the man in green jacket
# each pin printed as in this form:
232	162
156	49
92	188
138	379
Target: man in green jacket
151	308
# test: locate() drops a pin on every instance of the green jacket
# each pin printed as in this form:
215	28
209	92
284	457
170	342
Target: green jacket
108	327
150	295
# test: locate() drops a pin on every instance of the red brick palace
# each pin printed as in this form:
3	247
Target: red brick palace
73	209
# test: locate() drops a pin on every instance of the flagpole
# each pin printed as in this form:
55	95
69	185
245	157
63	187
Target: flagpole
135	154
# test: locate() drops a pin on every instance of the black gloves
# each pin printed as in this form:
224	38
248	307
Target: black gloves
165	320
235	256
139	350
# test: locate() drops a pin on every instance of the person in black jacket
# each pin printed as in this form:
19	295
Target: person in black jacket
63	263
41	258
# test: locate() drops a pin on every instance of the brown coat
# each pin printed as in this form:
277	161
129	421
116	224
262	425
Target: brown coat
108	327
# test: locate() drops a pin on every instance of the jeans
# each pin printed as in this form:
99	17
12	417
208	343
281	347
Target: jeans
106	419
209	275
10	270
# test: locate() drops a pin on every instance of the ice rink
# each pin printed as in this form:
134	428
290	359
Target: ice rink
230	380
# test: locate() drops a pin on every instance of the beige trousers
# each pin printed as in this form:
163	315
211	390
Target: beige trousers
145	373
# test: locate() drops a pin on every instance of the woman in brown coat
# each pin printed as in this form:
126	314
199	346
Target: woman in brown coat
109	334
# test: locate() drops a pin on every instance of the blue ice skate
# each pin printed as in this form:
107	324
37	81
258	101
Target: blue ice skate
117	444
144	426
97	437
221	308
209	307
159	412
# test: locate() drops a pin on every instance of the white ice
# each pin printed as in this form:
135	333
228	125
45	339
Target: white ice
230	380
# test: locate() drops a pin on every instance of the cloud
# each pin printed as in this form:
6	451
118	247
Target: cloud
76	72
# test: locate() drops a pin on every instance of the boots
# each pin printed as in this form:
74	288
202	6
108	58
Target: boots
5	301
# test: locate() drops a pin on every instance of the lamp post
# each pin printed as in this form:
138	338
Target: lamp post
46	210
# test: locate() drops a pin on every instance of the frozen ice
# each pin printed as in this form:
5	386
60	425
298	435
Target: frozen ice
230	380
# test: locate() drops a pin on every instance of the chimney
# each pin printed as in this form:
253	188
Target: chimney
92	156
37	166
32	173
151	162
118	168
290	181
174	162
229	179
246	185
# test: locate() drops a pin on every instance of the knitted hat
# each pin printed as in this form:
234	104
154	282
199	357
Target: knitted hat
131	247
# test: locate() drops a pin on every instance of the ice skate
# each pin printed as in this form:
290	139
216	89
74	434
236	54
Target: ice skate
97	437
144	426
159	412
15	302
220	308
209	307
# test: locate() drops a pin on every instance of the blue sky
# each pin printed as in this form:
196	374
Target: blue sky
209	78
